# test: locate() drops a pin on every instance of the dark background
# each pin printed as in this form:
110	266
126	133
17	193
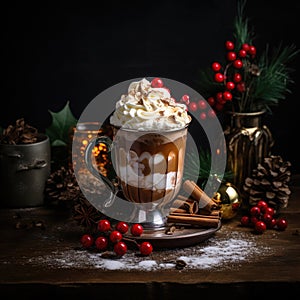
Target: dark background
59	52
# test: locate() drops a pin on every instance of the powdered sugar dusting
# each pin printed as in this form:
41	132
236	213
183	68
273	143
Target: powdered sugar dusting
225	251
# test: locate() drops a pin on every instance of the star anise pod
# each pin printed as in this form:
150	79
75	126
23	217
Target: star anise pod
86	215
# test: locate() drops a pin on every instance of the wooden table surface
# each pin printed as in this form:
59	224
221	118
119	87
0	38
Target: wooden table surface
42	262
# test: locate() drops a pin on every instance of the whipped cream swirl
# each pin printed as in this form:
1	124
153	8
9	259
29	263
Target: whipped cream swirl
147	108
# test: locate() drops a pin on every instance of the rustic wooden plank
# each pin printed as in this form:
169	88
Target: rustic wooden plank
262	270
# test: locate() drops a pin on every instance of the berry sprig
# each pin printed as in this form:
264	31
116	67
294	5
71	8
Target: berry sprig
262	217
200	107
244	81
239	64
114	238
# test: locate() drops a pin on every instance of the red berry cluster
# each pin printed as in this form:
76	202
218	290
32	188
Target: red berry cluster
262	217
231	76
201	106
114	237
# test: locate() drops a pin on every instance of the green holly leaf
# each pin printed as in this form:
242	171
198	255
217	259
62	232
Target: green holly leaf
62	122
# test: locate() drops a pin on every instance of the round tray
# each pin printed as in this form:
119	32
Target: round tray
181	237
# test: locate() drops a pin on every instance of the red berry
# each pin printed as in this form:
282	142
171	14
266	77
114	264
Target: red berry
202	116
241	87
255	211
238	64
253	220
260	226
245	220
211	113
146	248
229	45
270	211
216	66
262	205
267	218
193	106
242	53
252	50
120	248
219	77
115	236
104	225
87	241
101	242
235	206
219	97
157	83
231	56
122	227
202	104
227	96
245	47
211	101
185	99
136	229
272	224
230	85
237	77
281	224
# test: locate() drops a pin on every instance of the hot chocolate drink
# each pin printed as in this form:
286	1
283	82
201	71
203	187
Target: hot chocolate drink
150	166
149	143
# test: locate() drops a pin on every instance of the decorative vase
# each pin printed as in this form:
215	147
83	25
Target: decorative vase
248	142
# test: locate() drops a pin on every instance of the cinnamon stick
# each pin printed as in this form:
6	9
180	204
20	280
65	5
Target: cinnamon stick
188	205
205	202
199	220
195	215
215	212
177	210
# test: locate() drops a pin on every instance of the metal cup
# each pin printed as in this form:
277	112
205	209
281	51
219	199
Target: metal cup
24	170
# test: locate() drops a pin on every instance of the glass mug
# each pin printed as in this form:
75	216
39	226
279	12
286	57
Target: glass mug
149	169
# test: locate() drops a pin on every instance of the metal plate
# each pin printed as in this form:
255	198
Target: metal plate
182	237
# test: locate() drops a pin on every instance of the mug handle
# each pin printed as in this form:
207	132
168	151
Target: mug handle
112	184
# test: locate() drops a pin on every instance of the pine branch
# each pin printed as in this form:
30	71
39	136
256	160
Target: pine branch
198	166
275	77
206	85
242	32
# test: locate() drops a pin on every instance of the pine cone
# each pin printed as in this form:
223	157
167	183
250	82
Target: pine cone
269	181
62	188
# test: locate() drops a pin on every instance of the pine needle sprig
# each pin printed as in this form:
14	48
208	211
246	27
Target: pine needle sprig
275	79
241	29
197	166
